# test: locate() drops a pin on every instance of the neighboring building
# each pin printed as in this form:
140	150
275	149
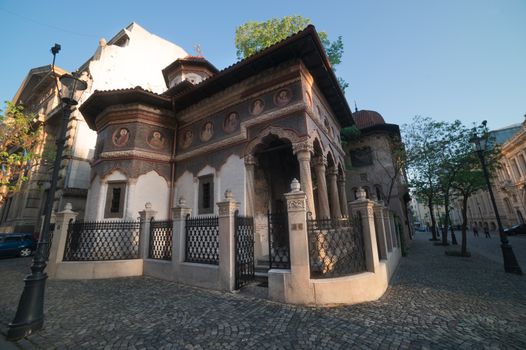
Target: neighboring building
507	183
375	168
133	57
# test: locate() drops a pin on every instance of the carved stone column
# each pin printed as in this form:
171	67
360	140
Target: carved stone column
303	152
343	196
319	166
333	193
250	165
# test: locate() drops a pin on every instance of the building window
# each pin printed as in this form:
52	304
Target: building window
206	194
115	200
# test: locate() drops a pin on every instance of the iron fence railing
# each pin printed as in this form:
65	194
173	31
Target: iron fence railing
278	240
202	240
336	247
160	240
244	240
98	241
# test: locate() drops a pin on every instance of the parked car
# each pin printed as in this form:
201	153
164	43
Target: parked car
517	229
17	244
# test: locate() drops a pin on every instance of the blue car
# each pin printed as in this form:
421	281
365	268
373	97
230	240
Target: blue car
17	244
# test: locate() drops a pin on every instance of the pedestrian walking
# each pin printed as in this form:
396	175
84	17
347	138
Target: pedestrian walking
475	230
486	231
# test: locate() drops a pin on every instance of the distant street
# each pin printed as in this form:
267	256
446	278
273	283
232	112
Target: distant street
434	302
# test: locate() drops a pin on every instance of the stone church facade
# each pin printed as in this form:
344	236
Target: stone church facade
250	129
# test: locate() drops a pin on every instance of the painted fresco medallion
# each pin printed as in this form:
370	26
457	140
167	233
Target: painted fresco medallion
207	131
186	140
156	140
231	122
120	137
282	97
257	107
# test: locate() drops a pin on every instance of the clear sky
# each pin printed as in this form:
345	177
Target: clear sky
444	59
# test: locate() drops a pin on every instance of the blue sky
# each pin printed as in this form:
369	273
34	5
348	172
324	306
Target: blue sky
447	59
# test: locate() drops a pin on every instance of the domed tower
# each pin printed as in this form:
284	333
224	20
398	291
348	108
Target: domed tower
364	119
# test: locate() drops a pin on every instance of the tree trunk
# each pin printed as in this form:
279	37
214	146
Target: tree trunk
446	220
464	248
433	221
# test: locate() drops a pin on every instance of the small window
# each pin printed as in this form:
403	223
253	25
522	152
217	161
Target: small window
115	200
206	194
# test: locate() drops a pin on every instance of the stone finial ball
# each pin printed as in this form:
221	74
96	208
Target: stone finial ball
360	193
228	194
295	185
148	205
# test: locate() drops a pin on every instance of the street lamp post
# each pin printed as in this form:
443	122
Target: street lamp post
30	312
510	261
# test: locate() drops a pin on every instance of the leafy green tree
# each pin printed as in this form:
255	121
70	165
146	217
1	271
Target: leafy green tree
424	139
469	177
19	139
253	36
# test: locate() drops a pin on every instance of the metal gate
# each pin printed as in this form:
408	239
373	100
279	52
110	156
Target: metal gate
278	240
244	238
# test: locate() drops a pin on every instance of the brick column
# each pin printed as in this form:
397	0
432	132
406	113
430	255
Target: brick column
380	230
250	164
303	152
343	196
333	193
227	254
145	216
364	208
60	234
323	200
179	214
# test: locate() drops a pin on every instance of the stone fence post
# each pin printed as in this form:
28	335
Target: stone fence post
179	214
365	208
144	241
227	249
388	228
58	242
381	229
298	242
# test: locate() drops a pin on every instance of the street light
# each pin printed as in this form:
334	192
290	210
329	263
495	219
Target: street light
30	313
511	265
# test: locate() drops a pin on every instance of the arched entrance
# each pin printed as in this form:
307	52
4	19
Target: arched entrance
275	166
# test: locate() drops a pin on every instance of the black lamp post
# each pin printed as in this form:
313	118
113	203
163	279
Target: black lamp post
510	261
30	313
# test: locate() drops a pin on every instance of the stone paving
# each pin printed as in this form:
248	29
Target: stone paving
434	302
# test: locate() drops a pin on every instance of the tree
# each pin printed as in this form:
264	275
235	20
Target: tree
424	139
469	177
253	36
19	139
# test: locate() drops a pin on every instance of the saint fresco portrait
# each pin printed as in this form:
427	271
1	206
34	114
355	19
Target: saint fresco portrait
187	139
156	140
282	97
231	122
207	131
120	137
257	107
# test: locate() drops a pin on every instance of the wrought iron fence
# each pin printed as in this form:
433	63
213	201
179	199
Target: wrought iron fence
98	241
50	239
160	240
244	238
278	240
202	240
335	247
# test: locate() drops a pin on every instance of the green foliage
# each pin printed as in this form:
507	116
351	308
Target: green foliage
19	138
253	36
349	133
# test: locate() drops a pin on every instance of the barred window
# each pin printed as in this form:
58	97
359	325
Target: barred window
206	194
114	207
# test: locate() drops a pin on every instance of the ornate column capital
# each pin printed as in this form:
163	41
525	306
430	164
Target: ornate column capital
320	161
250	159
302	146
332	171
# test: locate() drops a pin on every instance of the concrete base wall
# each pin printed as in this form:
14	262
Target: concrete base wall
77	270
359	288
198	275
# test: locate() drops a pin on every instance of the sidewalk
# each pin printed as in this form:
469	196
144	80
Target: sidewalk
435	302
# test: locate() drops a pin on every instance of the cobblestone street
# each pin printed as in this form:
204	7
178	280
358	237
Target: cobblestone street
434	302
